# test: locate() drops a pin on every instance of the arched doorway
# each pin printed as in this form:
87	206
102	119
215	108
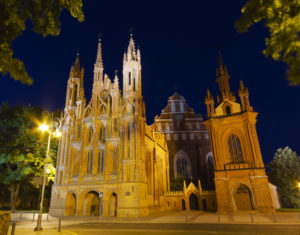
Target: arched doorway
194	204
92	204
204	204
71	204
183	204
243	198
113	205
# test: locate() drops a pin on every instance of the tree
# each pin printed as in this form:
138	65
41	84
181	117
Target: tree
282	18
44	17
23	148
285	174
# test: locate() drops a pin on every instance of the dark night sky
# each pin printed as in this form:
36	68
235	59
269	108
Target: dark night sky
177	42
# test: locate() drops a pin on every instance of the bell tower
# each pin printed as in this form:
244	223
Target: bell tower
240	179
132	70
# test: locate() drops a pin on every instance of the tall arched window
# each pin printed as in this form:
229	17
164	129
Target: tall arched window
101	133
210	172
90	161
90	134
235	150
182	168
78	130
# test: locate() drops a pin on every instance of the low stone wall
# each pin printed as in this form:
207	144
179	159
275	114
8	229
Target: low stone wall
4	222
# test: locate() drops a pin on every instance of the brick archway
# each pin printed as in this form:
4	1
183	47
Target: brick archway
71	204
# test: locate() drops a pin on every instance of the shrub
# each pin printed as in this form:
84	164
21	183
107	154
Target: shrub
4	222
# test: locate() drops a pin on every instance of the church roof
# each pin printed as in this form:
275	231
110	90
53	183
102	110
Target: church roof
176	96
187	111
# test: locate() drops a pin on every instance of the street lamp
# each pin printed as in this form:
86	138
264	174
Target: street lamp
54	124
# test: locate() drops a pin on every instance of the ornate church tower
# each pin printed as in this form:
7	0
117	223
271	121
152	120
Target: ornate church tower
133	162
240	179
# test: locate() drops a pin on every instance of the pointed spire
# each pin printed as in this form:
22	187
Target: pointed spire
221	70
242	86
223	80
77	63
99	53
116	79
76	68
131	52
208	93
220	58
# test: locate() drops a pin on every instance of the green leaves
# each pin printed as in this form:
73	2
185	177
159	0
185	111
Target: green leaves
282	18
44	16
23	148
285	174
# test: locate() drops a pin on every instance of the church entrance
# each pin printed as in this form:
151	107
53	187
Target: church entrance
92	204
113	205
204	204
71	204
243	198
194	204
183	204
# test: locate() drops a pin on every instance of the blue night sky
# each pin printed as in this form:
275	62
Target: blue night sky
178	47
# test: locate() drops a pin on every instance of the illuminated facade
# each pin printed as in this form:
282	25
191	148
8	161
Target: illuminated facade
106	147
188	142
111	163
240	179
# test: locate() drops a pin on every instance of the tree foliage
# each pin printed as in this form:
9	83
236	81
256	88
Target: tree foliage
285	174
44	16
282	18
23	148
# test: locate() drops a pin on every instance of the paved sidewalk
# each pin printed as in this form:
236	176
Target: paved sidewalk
27	231
29	219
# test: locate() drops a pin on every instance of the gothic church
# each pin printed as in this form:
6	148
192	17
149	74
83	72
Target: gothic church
111	163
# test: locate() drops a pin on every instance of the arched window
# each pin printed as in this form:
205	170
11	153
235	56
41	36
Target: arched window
210	171
90	161
235	150
78	130
90	134
101	133
182	168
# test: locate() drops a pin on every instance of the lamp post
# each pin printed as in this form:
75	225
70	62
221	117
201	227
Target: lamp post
54	123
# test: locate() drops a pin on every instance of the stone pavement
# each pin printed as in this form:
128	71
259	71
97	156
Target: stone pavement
26	222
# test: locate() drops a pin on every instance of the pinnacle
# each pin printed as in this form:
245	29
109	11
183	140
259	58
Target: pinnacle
99	53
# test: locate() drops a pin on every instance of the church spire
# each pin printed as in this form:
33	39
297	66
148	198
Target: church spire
131	51
132	70
98	67
77	66
99	61
223	80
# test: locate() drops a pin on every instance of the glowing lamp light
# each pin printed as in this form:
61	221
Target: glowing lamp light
57	133
44	127
298	184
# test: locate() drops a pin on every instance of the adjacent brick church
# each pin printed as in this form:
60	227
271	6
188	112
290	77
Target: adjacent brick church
188	142
111	163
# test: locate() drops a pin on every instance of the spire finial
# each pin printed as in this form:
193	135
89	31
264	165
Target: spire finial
131	52
131	29
220	58
99	51
99	37
77	65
